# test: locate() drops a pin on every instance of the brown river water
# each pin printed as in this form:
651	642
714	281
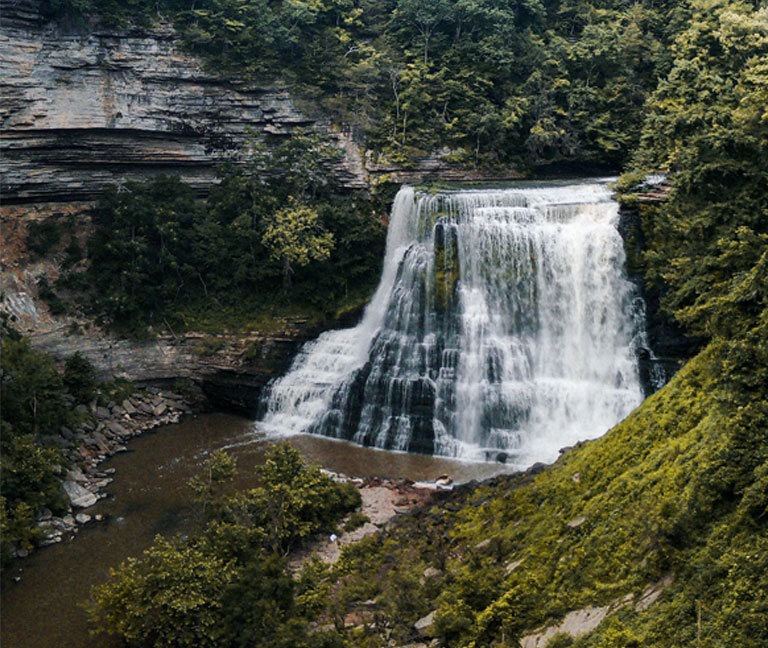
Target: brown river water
149	496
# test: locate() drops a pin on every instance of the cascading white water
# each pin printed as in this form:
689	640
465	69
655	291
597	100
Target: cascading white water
503	327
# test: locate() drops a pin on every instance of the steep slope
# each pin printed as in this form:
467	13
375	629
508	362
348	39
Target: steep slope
676	496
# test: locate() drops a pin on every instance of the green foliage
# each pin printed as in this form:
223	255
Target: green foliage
706	126
525	82
355	521
42	236
295	500
208	346
218	470
33	409
172	597
679	487
229	585
293	237
32	390
80	378
160	257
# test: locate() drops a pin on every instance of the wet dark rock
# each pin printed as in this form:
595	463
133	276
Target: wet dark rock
536	468
669	343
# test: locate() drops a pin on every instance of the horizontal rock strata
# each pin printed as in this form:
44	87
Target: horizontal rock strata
80	111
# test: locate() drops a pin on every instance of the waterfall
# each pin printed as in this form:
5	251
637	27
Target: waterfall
503	328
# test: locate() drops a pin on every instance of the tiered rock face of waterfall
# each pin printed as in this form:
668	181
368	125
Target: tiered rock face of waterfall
503	328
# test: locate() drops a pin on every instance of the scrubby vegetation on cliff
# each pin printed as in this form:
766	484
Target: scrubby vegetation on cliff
36	399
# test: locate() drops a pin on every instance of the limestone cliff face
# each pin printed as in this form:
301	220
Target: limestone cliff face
80	111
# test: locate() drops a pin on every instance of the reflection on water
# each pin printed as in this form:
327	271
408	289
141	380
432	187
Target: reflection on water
150	496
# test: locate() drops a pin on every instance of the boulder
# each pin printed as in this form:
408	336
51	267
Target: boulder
512	566
577	522
431	572
424	625
82	518
116	428
78	496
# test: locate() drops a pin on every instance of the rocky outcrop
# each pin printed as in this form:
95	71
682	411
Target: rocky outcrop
80	111
99	431
580	622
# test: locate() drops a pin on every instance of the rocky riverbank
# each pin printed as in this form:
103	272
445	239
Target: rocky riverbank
382	500
102	432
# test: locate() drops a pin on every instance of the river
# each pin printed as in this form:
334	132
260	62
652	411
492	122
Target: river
149	496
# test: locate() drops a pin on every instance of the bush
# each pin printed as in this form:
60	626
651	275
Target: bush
355	521
43	236
80	378
228	585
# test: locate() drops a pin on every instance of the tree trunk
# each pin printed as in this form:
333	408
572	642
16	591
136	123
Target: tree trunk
287	272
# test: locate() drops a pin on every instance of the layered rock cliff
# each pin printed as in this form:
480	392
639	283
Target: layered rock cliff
83	110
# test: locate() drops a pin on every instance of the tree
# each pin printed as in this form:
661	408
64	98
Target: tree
707	127
295	237
80	378
170	598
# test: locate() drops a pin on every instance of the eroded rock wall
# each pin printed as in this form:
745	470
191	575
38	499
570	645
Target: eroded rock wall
79	111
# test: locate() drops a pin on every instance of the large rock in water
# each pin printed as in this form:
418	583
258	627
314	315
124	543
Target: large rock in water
81	110
79	496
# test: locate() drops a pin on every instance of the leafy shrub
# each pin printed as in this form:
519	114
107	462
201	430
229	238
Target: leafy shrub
80	378
43	236
228	585
355	521
159	256
172	597
209	346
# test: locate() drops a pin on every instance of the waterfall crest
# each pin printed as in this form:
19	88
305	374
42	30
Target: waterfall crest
503	327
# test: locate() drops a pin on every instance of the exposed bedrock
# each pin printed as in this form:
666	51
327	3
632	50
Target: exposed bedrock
79	111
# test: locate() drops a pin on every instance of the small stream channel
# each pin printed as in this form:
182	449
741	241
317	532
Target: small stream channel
148	497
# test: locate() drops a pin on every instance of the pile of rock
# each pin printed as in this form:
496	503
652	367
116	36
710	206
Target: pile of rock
55	529
105	429
102	433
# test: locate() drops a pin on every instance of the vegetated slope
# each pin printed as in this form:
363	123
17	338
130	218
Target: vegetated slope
678	488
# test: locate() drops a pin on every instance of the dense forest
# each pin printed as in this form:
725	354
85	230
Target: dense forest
678	489
275	238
